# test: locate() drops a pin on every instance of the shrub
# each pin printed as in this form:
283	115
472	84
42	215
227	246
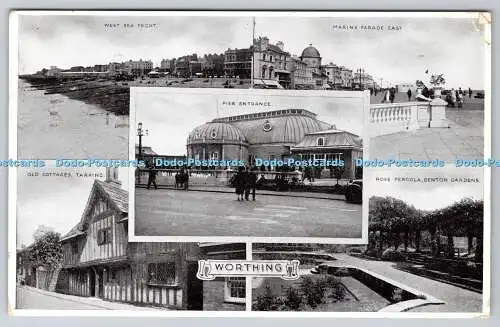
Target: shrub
342	272
264	302
293	298
392	255
371	253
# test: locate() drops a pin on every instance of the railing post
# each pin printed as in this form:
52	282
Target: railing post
438	113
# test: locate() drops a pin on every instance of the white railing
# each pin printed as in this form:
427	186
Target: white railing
199	177
389	118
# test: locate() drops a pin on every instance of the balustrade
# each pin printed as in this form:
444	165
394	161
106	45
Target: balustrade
388	118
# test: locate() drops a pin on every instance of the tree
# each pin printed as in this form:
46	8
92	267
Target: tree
40	231
46	251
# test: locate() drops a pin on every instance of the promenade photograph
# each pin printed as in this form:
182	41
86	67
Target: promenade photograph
424	252
227	163
82	102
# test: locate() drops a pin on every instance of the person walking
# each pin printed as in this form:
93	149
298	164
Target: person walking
251	183
152	175
453	97
185	179
470	92
409	94
392	94
239	183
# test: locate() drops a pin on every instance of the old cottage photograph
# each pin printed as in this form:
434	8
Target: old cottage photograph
92	266
232	163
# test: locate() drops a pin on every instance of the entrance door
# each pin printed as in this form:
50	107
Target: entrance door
92	282
100	280
194	288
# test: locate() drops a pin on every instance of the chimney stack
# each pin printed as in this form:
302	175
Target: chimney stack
112	176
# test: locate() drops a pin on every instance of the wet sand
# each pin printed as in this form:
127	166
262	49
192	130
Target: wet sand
53	126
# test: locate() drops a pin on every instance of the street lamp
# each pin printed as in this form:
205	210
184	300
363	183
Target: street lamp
141	133
361	71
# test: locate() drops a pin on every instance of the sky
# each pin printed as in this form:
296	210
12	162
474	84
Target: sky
170	115
450	46
426	195
55	202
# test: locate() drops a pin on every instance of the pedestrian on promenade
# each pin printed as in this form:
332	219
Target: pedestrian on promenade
386	96
251	183
185	179
453	97
392	94
239	183
152	175
460	100
470	92
409	94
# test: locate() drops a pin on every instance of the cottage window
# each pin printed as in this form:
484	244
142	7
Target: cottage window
104	236
320	141
235	289
162	273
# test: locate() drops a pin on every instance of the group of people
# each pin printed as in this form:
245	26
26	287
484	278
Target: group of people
245	182
456	97
389	95
181	177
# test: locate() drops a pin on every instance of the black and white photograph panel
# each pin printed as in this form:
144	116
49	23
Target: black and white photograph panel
425	253
231	163
74	91
73	251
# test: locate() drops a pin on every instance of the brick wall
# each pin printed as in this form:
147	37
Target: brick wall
213	297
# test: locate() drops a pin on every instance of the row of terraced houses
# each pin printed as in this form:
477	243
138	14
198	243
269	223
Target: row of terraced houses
273	66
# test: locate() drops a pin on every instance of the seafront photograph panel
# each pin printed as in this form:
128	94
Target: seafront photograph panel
264	164
82	102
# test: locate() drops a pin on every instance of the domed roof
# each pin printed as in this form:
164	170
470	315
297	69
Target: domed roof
216	132
282	129
311	52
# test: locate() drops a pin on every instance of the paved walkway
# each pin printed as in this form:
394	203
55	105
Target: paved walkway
464	139
456	299
215	189
33	298
167	212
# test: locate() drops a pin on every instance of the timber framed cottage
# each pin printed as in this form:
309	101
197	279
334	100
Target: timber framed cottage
100	262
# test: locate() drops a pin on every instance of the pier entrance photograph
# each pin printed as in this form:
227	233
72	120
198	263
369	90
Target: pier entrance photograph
262	164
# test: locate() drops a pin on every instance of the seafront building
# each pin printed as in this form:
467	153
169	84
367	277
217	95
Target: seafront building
278	134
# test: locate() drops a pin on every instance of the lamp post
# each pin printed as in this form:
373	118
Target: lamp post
360	71
140	134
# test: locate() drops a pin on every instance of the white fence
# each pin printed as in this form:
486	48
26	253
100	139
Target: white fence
389	118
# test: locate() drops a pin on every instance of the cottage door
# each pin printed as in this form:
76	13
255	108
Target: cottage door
194	288
100	281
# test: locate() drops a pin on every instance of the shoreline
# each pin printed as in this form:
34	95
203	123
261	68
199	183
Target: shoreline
107	95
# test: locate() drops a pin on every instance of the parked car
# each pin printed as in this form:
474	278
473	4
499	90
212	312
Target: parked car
354	191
